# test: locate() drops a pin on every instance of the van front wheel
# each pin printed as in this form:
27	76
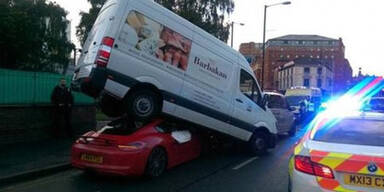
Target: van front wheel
143	104
259	143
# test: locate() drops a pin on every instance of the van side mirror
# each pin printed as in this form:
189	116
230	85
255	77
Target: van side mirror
264	101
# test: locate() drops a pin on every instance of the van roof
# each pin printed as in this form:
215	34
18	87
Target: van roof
240	58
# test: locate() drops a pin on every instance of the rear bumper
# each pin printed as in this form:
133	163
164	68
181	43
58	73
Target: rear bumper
300	182
115	161
91	85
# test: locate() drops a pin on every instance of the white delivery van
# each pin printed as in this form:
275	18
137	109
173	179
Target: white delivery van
142	59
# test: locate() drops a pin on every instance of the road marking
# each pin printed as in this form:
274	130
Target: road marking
244	163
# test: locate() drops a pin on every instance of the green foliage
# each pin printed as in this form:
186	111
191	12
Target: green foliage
207	14
32	36
87	19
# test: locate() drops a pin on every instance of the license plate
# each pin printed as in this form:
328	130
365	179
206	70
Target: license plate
364	181
92	158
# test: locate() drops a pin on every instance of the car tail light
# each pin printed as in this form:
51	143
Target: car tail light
132	146
104	52
305	165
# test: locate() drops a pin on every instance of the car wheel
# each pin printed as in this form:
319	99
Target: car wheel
292	131
259	143
110	106
144	105
157	162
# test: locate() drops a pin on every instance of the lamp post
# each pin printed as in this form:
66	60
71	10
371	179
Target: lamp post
265	22
232	23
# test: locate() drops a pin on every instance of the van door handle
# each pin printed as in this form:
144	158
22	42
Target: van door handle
239	100
249	108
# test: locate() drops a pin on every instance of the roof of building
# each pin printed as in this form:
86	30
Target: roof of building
304	38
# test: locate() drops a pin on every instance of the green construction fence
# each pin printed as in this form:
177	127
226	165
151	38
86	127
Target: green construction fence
32	88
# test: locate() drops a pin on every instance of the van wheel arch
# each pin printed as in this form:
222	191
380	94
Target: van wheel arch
149	91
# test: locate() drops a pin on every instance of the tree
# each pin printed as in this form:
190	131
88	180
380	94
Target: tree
207	14
88	19
33	36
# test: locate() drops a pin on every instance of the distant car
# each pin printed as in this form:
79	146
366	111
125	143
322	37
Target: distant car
340	155
284	115
132	149
376	104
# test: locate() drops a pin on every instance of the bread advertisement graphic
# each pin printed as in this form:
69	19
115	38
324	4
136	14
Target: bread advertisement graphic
159	41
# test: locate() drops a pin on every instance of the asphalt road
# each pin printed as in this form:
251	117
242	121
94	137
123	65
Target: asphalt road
229	170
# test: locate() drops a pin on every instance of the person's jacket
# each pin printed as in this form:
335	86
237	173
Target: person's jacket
62	97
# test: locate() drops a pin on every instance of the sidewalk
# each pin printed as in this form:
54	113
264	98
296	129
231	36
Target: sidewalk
26	160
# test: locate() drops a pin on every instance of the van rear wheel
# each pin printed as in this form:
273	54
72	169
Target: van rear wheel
144	104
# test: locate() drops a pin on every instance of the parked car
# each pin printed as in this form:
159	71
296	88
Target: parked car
340	155
142	59
305	101
376	104
286	121
131	148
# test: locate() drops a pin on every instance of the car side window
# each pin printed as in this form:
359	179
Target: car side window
249	87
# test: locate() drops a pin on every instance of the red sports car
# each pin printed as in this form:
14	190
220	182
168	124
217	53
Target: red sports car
130	148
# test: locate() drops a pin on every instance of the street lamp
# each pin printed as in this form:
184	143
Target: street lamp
232	23
265	21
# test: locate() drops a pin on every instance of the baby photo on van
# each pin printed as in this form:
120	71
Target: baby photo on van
159	41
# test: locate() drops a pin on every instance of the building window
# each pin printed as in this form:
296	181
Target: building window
307	70
319	83
319	70
306	83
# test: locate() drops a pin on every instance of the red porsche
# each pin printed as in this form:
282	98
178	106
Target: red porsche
130	148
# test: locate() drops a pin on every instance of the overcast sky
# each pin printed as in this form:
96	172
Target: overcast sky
358	22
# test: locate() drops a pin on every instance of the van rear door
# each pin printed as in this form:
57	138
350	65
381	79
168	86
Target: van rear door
102	24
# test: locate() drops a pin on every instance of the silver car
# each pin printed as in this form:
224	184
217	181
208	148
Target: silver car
284	115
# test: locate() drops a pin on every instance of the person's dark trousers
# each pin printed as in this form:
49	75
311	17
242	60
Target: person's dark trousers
68	122
62	121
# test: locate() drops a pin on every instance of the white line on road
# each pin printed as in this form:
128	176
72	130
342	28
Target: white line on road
244	163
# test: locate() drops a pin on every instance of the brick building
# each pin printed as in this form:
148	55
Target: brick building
306	72
253	53
282	50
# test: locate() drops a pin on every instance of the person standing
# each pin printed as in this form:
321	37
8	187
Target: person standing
62	100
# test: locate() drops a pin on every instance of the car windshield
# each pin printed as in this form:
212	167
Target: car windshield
122	126
295	100
353	131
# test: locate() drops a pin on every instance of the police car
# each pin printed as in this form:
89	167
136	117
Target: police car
340	154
